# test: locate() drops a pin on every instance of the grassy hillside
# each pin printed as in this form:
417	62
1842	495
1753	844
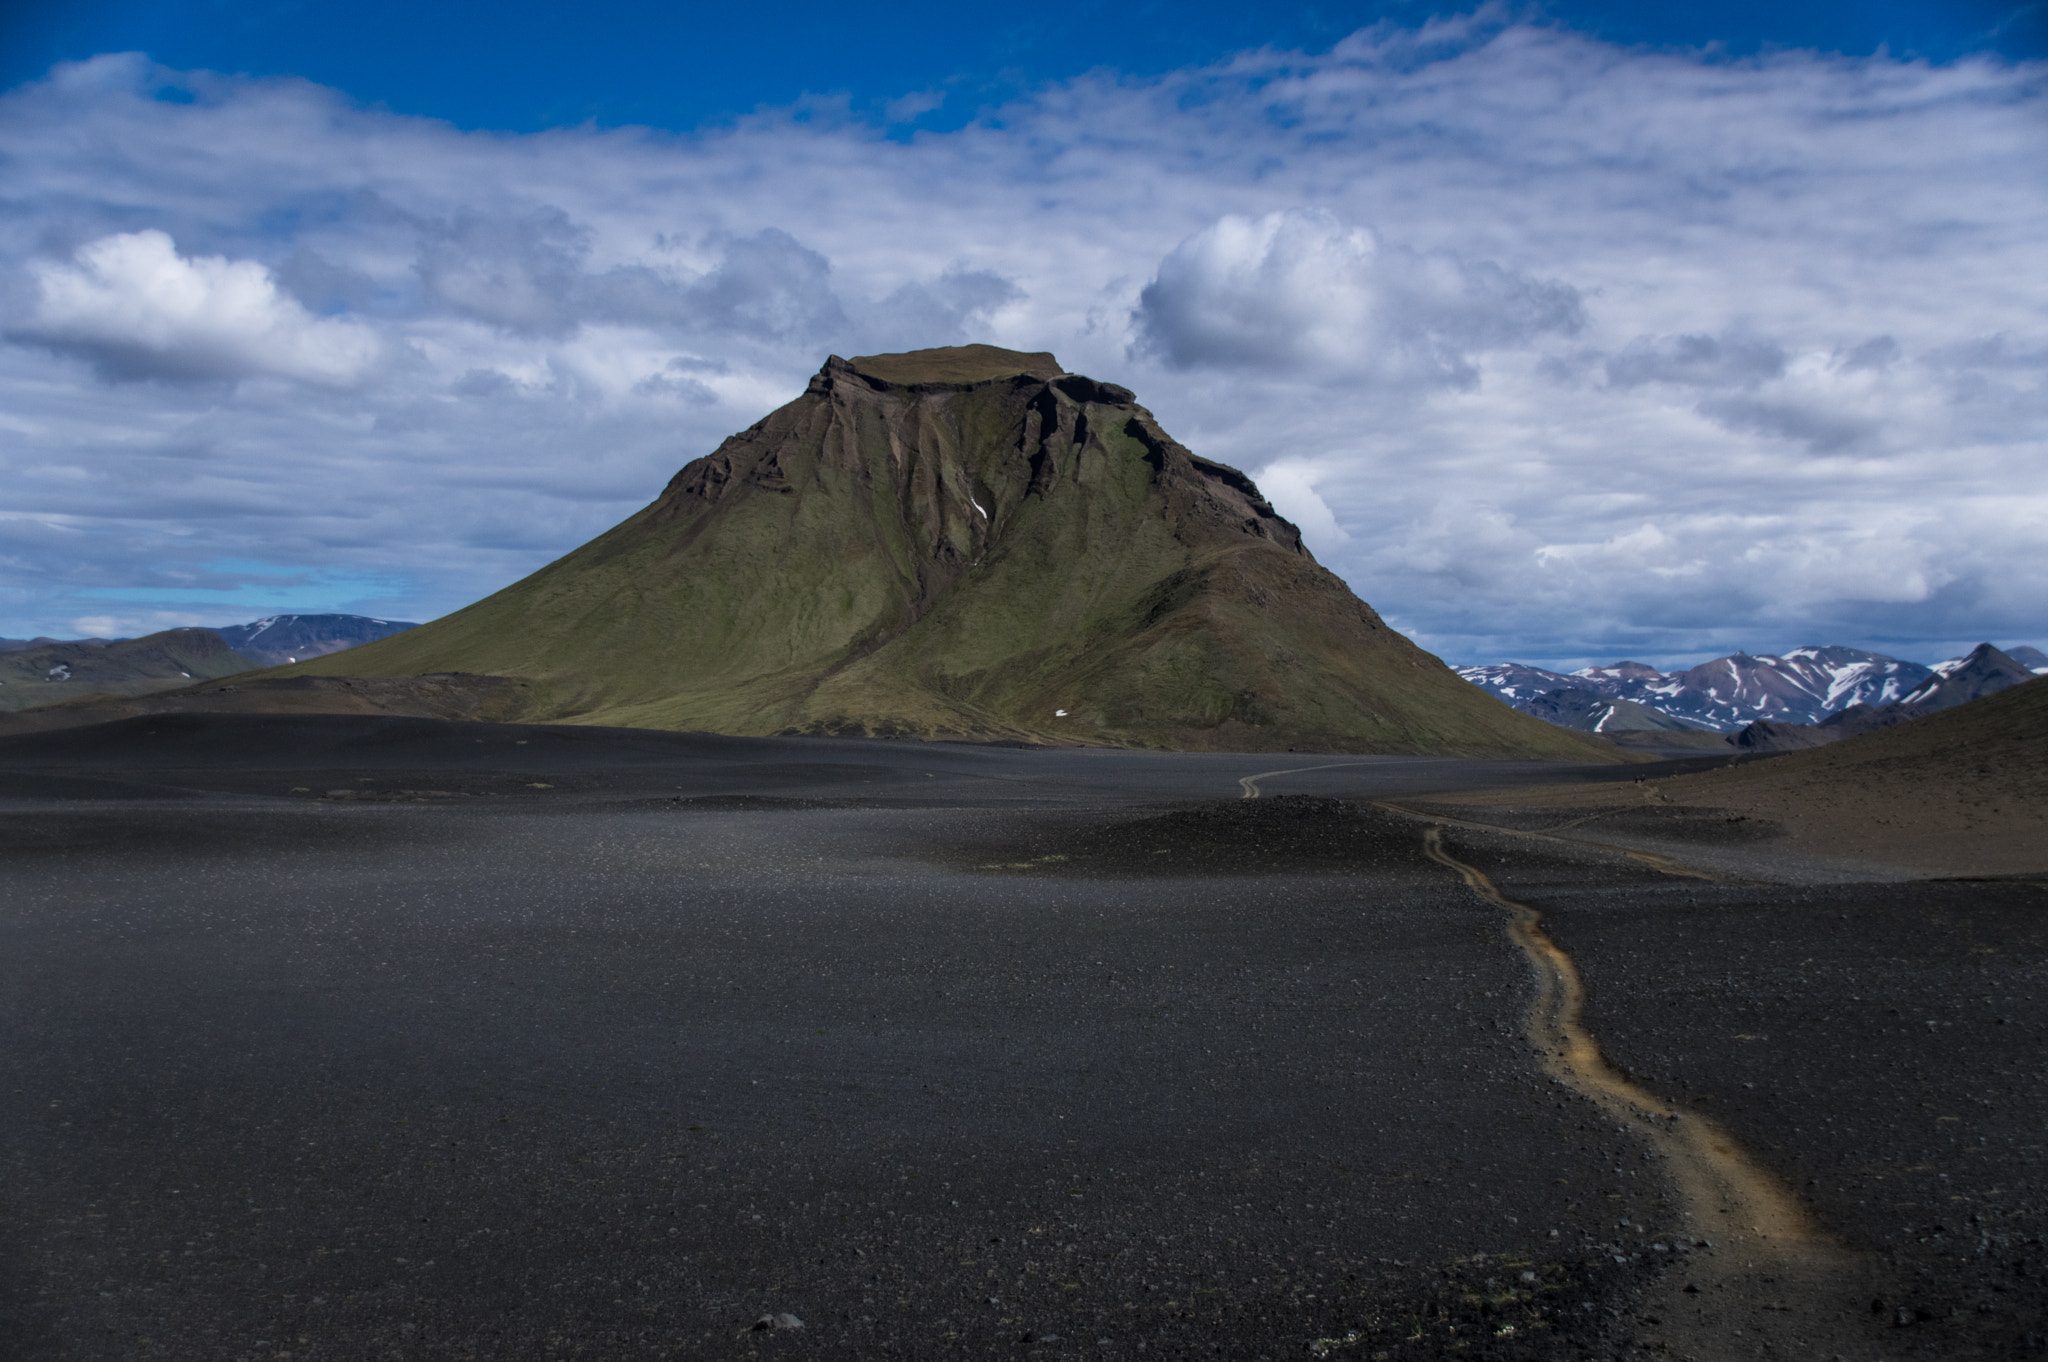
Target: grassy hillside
964	542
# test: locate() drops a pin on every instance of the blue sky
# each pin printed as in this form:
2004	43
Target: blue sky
1566	338
525	66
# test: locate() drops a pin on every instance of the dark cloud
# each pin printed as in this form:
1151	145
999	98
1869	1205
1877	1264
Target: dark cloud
675	381
323	286
530	275
518	272
1823	431
1878	352
769	287
1732	361
941	311
485	383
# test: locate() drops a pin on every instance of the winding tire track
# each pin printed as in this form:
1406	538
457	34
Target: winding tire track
1723	1191
1768	1281
1772	1277
1250	784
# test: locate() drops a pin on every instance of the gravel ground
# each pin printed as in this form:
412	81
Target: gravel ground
373	1038
1882	1047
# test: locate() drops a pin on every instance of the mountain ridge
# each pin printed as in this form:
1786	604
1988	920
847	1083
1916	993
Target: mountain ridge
1805	686
51	673
45	671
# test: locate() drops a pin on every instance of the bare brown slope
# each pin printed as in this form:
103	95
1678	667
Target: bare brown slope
1961	792
964	543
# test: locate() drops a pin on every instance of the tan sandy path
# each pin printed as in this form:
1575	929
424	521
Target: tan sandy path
1772	1283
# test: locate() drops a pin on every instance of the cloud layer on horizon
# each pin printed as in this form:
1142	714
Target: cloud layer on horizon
1557	351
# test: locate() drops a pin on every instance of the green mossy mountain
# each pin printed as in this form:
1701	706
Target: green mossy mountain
963	543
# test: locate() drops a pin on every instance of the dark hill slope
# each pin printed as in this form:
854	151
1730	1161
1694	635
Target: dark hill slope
964	542
1960	792
1995	747
1964	790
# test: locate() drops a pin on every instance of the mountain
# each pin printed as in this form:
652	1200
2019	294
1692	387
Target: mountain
1803	686
49	673
1620	678
1985	671
1516	684
1806	698
280	639
1766	735
15	645
967	542
1592	713
1799	687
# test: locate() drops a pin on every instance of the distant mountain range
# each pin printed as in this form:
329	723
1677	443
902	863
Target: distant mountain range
43	671
1804	688
1984	672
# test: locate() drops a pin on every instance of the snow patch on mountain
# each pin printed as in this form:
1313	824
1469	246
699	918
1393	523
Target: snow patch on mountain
277	639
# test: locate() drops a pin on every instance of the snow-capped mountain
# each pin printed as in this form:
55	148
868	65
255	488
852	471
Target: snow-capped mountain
1804	686
292	638
1589	713
1618	677
1985	671
1517	684
1845	689
270	641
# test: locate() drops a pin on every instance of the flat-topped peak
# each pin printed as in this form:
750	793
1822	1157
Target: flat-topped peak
956	364
963	542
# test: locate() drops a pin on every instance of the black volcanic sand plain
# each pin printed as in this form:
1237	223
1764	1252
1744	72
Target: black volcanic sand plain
347	1037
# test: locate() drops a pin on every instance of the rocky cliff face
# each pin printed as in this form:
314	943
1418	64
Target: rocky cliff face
965	542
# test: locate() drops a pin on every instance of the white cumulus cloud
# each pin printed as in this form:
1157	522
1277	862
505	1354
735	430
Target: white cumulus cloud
1290	484
1298	290
136	308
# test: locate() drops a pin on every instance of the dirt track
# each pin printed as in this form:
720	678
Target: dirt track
1768	1264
